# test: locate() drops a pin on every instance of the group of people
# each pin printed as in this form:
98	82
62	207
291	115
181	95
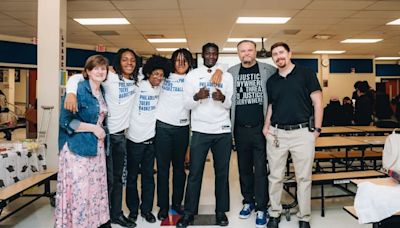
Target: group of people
143	115
369	106
336	114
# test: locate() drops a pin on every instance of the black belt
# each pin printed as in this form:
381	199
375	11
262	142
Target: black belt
290	127
148	142
119	133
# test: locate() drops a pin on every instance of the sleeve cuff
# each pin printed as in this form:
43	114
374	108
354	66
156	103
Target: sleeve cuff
73	125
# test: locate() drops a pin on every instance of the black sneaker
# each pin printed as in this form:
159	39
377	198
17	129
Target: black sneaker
221	219
273	222
123	221
162	214
106	225
132	217
149	217
185	221
304	224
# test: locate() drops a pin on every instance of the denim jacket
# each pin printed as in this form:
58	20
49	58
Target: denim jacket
81	143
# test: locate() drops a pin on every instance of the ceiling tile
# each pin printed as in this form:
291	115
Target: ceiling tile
146	4
340	5
94	14
385	5
276	4
93	6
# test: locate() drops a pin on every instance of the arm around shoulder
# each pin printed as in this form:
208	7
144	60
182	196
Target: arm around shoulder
189	90
228	81
72	83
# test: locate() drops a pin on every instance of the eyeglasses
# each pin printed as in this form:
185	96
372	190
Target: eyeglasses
157	75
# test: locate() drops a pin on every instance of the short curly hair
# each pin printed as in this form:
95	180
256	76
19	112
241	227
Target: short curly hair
157	62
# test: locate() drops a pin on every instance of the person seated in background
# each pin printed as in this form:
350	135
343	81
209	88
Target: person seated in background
354	96
334	114
364	106
383	110
396	101
348	109
370	91
3	102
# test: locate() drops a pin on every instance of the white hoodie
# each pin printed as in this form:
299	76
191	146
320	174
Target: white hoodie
207	115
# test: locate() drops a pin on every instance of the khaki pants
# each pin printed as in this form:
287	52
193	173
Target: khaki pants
301	145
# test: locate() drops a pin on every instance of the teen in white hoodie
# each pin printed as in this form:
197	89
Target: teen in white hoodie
211	127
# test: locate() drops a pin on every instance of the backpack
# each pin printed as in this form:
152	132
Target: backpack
391	152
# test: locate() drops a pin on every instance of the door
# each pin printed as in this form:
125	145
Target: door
31	129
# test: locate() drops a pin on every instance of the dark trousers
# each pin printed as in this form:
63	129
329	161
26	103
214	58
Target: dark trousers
251	156
220	145
115	166
171	145
140	156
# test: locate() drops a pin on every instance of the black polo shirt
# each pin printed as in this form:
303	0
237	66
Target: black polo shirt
290	95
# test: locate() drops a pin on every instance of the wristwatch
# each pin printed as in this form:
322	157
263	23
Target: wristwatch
317	129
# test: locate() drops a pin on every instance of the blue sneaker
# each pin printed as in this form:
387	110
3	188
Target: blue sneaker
261	219
246	210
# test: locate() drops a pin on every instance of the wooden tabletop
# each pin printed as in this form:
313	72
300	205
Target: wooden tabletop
387	181
21	185
337	142
372	129
349	141
340	130
372	140
351	210
347	175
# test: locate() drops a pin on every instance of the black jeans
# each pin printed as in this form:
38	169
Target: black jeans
140	156
220	145
115	166
251	156
171	145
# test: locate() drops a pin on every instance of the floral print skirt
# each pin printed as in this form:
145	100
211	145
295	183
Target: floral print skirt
82	198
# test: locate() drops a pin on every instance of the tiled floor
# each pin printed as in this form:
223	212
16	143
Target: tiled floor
40	213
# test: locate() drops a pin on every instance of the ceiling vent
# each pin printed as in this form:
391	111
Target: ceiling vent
291	31
106	33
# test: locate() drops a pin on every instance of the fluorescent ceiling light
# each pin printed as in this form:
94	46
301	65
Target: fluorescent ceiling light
262	20
167	49
231	49
236	40
387	58
102	21
328	52
395	22
361	41
168	40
